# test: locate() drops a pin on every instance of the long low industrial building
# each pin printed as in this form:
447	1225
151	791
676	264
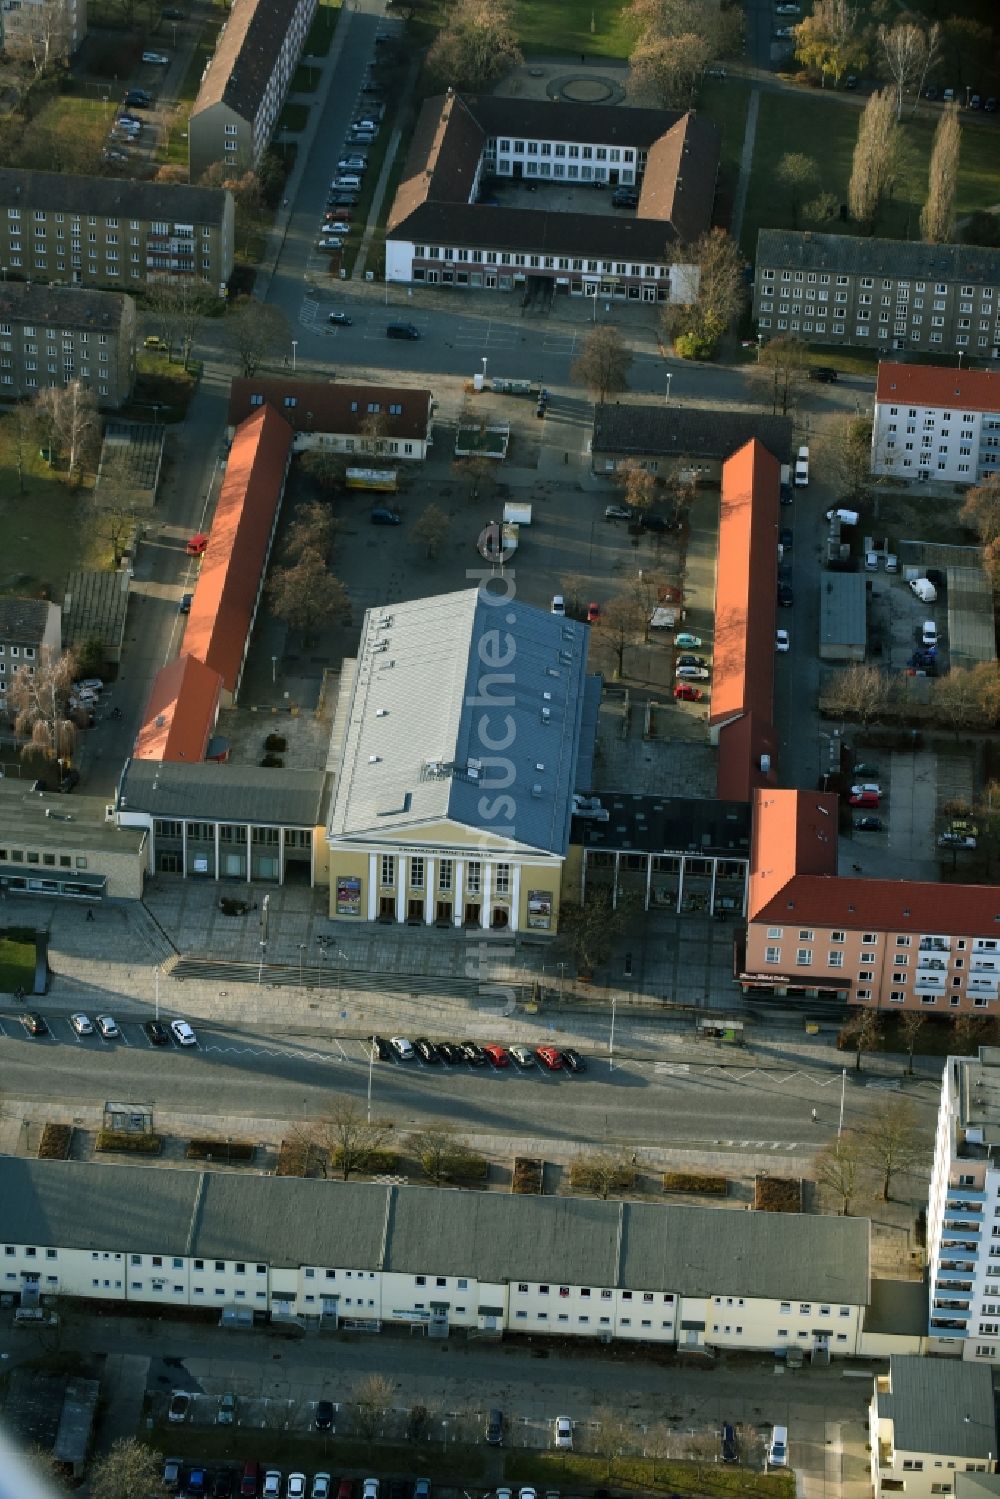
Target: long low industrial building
330	1254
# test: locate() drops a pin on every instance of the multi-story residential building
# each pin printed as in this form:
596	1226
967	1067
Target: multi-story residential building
99	231
883	294
368	1255
446	226
52	335
884	944
935	423
963	1202
28	627
928	1422
362	420
42	32
244	85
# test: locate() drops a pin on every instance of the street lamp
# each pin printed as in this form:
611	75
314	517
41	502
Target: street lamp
295	345
611	1037
274	670
669	378
484	368
371	1066
302	948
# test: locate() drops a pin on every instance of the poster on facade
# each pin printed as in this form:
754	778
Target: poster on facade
540	909
348	896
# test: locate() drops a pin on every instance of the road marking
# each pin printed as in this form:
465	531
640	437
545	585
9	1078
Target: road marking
264	1051
670	1069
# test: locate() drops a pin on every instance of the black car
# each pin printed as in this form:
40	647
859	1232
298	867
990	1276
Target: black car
172	13
450	1053
786	598
138	99
157	1033
34	1024
340	318
69	780
729	1452
323	1419
787	495
785	537
426	1049
222	1487
573	1061
402	330
381	1048
824	373
655	523
187	599
473	1054
868	825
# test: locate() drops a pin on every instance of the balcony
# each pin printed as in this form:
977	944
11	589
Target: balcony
966	1193
935	944
957	1212
948	1329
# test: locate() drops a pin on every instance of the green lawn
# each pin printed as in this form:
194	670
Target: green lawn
161	383
321	31
203	49
42	536
17	965
294	117
827	130
564	26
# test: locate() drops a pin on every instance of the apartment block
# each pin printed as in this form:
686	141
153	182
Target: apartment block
885	944
99	231
929	1421
42	32
963	1229
882	294
52	335
936	423
28	627
245	83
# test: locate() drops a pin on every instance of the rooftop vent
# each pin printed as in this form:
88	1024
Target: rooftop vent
381	713
374	759
546	715
536	790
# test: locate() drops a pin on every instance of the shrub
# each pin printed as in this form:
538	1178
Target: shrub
527	1177
375	1162
56	1142
690	346
114	1139
220	1150
777	1194
18	933
690	1181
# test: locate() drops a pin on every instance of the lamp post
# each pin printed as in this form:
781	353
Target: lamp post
669	378
611	1037
295	347
302	948
484	368
843	1087
371	1068
274	670
322	958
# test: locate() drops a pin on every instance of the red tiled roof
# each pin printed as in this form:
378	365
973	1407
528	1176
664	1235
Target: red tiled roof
934	385
886	905
794	834
180	713
226	595
746	583
746	745
322	406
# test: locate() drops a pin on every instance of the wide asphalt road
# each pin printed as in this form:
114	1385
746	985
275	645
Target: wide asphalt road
637	1102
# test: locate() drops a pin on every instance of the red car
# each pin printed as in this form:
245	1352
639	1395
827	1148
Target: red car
496	1055
550	1057
197	545
864	799
685	693
593	613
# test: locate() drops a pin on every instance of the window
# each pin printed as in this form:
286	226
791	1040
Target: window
772	955
803	957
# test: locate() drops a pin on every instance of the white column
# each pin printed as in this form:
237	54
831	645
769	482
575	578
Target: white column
515	897
218	841
281	856
457	910
429	867
184	848
614	887
680	887
402	874
649	877
484	909
372	886
249	852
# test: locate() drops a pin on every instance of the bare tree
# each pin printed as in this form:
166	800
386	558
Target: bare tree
112	505
847	454
178	308
374	433
859	693
372	1403
981	509
837	1166
348	1137
784	366
908	53
589	931
326	470
958	700
712	293
306	596
259	329
911	1023
68	414
130	1468
40	703
876	158
477	471
24	427
863	1032
603	1173
937	217
798	174
622	621
313	530
638	484
604	363
891	1141
41	36
443	1153
431	529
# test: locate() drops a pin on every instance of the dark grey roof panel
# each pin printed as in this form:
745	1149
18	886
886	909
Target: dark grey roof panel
686	431
941	1405
852	254
63	192
225	793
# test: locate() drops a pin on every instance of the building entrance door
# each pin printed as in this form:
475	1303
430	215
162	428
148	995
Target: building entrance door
471	914
387	908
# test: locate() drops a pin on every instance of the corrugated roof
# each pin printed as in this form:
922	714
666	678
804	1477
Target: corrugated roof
242	64
935	385
69	306
493	1237
792	831
180	713
745	585
24	621
229	579
637	428
323	406
942	1406
226	793
65	192
853	254
416	735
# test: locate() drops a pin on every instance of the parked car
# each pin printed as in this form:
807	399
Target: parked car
422	1488
250	1479
786	538
864	768
34	1024
426	1050
865	799
861	786
684	693
272	1484
449	1053
320	1487
158	59
523	1056
729	1452
558	604
226	1414
786	598
296	1487
692	673
573	1061
402	1047
688	660
81	1024
383	516
156	1032
173	1470
802	468
222	1486
107	1027
687	640
180	1406
824	373
496	1055
370	1490
182	1033
473	1053
402	330
187	599
550	1057
868	825
197	1482
617	512
563	1432
345	1489
777	1452
323	1417
494	1428
928	633
781	641
956	840
340	319
195	546
593	613
329	242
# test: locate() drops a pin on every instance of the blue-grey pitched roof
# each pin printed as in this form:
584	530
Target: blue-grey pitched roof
855	254
464	708
940	1405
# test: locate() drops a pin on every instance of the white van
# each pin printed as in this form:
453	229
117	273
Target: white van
777	1452
924	590
846	517
340	184
802	468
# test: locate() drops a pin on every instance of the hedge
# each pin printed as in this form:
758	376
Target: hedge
115	1139
56	1142
220	1150
689	1181
373	1161
777	1194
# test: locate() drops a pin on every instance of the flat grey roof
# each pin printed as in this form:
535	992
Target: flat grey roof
284	1221
224	793
76	822
941	1405
675	824
842	615
898	1306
